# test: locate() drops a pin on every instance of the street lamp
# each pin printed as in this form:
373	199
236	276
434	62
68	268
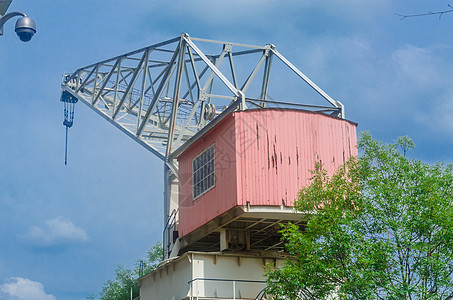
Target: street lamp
25	26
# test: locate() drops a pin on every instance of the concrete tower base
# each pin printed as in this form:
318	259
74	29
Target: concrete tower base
213	275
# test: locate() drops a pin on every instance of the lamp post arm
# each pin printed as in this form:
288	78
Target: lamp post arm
5	18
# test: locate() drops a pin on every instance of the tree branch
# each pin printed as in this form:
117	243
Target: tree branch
440	13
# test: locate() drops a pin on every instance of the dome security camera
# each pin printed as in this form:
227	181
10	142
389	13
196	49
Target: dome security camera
25	28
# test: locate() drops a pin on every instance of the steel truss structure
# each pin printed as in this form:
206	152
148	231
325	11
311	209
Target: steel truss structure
164	95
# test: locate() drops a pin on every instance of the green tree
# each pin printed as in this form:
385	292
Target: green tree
381	227
125	279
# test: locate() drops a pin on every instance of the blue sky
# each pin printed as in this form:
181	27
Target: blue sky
64	228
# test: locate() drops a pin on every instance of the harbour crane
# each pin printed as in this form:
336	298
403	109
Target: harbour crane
168	94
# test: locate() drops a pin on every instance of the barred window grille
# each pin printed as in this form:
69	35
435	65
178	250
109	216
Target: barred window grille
203	172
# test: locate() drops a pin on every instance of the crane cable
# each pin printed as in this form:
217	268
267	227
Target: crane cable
66	148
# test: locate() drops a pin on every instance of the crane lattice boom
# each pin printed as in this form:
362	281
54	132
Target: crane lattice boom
167	95
162	95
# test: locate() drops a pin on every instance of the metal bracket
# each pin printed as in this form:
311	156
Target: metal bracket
7	17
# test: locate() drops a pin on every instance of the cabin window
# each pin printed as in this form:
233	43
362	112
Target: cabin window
203	172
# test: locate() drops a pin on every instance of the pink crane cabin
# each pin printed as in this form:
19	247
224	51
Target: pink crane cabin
242	176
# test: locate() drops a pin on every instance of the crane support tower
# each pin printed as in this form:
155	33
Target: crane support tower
238	127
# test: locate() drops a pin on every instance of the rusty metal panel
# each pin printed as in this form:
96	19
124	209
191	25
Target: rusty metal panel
262	157
277	148
195	212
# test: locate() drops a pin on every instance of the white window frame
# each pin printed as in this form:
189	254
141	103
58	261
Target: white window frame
203	172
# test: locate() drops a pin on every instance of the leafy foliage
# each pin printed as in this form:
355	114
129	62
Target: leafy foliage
120	287
380	228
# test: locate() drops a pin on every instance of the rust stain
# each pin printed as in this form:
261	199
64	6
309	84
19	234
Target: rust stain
268	160
297	156
349	144
275	159
257	137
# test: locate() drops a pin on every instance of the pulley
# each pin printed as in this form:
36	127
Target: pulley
209	111
69	105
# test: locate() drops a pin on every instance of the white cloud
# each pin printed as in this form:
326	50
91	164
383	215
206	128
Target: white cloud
238	6
324	51
56	231
417	64
357	9
6	199
261	13
18	288
438	119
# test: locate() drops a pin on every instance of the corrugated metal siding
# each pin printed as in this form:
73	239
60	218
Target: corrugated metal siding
262	157
277	148
194	213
